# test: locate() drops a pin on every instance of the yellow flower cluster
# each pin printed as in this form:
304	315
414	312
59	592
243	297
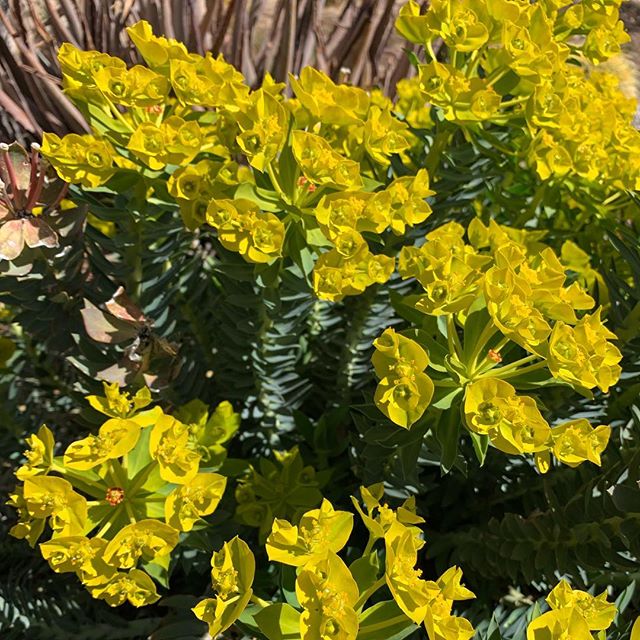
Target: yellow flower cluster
531	65
318	165
85	159
350	267
232	572
513	423
331	595
242	227
284	488
423	601
404	391
120	498
502	292
574	614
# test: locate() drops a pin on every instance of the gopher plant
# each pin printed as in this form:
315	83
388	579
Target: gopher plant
304	360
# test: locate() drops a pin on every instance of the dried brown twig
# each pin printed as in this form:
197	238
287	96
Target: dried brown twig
344	38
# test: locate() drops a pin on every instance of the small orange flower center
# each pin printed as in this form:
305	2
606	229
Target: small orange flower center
114	496
494	355
302	181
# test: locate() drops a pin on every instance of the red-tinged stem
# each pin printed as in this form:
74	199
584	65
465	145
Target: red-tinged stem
36	180
13	180
61	195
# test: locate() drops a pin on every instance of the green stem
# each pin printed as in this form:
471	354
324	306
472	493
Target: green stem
259	601
387	623
445	383
512	103
115	472
140	478
107	525
455	346
430	51
487	333
529	369
119	116
538	197
370	542
511	372
133	257
276	184
368	593
440	143
129	509
496	75
359	309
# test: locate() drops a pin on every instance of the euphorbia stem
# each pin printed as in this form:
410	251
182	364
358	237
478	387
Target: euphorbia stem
368	593
387	623
512	370
487	333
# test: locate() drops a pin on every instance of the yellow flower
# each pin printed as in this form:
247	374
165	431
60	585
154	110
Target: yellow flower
146	539
461	99
582	355
263	125
597	612
484	402
513	423
209	432
410	102
323	166
404	400
460	27
208	82
328	102
327	592
380	518
404	391
285	488
604	41
404	201
39	455
27	527
77	159
266	237
134	586
257	235
120	404
115	438
54	498
412	24
186	504
562	624
195	185
78	554
447	627
411	593
576	441
170	446
135	87
347	211
450	584
174	141
78	68
578	261
233	569
349	268
319	532
156	51
385	135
